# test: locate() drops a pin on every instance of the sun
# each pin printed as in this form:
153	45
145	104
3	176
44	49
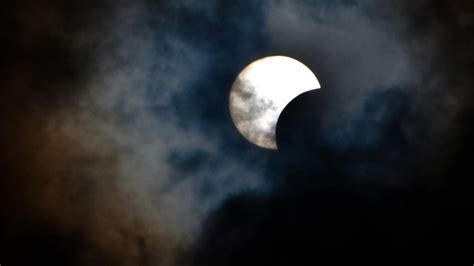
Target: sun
260	93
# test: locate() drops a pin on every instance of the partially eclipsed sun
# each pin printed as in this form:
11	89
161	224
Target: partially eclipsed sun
260	93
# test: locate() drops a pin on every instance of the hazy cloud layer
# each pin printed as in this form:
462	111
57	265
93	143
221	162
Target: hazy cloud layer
118	146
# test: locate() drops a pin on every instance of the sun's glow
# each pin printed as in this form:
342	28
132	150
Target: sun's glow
261	92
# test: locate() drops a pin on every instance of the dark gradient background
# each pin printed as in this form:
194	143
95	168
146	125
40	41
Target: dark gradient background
117	146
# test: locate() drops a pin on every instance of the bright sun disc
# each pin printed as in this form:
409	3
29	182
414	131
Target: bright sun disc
261	92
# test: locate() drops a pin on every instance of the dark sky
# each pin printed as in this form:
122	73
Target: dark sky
118	147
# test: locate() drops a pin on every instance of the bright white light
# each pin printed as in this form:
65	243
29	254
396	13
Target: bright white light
261	92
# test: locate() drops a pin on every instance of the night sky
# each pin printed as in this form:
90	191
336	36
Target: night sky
117	146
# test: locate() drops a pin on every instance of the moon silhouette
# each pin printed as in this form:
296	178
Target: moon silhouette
260	93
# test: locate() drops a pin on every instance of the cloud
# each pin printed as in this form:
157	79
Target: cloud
352	51
360	50
368	159
125	164
119	147
130	105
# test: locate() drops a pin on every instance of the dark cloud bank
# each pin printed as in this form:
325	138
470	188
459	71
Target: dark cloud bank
118	148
